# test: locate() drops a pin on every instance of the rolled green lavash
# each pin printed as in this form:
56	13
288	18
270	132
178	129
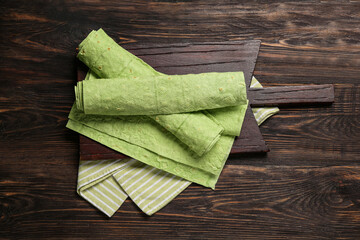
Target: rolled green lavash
187	129
152	95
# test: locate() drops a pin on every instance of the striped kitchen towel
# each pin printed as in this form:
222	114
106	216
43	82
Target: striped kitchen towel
261	114
106	184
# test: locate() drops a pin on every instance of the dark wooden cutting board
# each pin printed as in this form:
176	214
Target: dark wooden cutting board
192	58
216	57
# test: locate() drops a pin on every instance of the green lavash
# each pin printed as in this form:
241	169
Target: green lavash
152	95
169	154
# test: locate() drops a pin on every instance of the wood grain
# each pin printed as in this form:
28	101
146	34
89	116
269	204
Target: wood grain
307	187
314	201
291	95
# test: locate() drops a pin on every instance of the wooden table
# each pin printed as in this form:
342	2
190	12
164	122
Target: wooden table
307	187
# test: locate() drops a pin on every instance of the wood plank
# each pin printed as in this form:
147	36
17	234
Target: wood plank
248	141
291	95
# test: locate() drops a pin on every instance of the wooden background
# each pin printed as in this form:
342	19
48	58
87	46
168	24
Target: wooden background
307	187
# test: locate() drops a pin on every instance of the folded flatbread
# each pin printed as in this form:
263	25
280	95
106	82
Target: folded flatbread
149	141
